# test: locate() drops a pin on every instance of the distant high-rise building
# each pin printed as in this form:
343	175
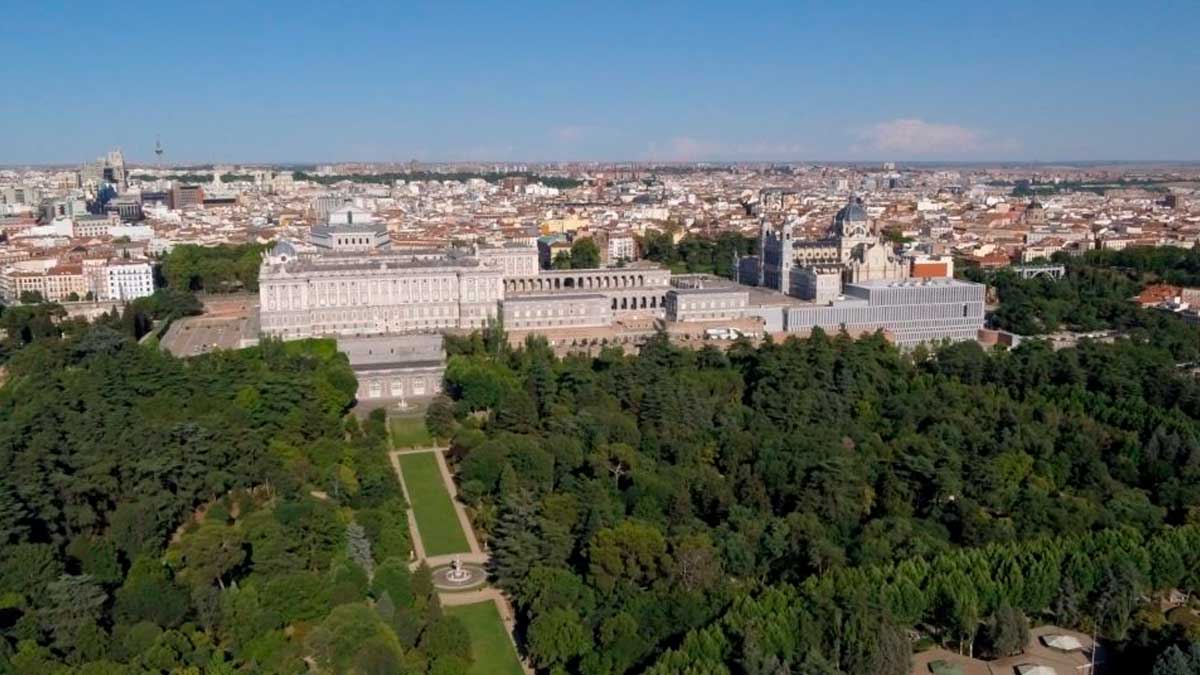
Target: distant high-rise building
187	196
20	194
109	170
513	183
127	207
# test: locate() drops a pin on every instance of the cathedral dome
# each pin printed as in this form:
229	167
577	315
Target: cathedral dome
284	248
852	221
851	213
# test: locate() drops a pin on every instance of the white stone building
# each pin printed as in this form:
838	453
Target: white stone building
336	293
720	303
396	367
345	287
128	280
571	310
801	267
351	229
514	260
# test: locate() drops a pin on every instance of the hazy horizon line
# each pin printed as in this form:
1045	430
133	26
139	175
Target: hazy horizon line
143	164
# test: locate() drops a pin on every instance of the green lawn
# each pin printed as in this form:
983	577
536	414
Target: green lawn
410	432
436	519
491	649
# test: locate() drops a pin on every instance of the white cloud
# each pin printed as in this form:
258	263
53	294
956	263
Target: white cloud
568	134
912	137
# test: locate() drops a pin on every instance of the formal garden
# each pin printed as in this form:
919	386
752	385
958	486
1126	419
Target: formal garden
436	520
441	534
492	651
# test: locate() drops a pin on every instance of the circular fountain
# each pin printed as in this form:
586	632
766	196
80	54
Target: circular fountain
457	576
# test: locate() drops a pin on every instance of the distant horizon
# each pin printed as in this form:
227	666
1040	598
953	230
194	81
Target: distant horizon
400	164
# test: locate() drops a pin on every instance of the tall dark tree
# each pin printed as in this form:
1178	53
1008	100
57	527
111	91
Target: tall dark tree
516	547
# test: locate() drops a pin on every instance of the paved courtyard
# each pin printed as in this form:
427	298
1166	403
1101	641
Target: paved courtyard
227	323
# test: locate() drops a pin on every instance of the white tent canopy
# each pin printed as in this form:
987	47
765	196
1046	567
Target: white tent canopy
1065	643
1034	669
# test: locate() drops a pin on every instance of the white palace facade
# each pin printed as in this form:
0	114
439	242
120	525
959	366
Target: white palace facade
394	292
348	281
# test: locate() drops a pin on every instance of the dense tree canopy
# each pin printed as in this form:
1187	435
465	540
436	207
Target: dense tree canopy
793	507
1167	264
1096	295
214	515
213	269
800	506
698	254
25	324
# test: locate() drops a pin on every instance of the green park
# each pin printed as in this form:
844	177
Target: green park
436	520
410	432
492	651
441	533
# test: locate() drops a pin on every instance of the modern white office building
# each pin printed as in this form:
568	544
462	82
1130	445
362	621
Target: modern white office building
913	311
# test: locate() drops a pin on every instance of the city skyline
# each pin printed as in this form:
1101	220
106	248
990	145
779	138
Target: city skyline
671	83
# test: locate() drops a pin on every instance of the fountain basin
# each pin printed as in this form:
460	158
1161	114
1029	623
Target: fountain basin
456	578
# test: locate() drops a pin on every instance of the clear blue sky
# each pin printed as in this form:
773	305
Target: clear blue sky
328	81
